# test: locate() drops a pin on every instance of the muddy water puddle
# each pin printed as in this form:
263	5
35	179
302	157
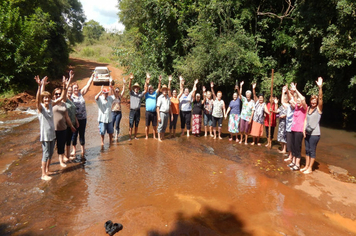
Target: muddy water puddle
182	186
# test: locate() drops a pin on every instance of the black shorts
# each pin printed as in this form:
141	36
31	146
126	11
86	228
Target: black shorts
217	120
289	142
134	117
151	117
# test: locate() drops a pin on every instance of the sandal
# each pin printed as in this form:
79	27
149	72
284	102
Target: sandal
291	164
295	167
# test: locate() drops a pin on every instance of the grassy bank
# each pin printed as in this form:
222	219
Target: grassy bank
99	51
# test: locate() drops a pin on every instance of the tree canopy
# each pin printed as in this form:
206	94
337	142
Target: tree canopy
225	41
35	38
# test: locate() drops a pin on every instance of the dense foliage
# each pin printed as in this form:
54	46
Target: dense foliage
35	38
225	41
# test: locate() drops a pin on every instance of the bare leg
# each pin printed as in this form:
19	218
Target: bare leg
206	131
214	130
219	129
174	132
82	147
230	139
154	132
307	162
60	157
237	137
130	133
258	141
102	140
310	167
188	132
253	140
44	173
47	167
182	133
147	129
136	129
159	137
74	150
246	136
211	131
110	138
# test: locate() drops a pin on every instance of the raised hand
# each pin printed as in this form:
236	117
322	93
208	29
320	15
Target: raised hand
196	81
71	74
285	89
236	87
38	80
253	85
319	82
241	83
44	80
131	76
170	78
148	76
160	78
204	89
123	80
212	84
293	87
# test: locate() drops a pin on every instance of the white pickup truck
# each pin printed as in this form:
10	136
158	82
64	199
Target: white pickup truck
102	76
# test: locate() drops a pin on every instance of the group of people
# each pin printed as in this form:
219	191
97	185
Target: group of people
62	116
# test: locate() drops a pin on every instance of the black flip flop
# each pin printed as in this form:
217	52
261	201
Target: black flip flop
108	226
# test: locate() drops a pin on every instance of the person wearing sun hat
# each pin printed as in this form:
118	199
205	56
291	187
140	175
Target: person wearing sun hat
104	113
135	104
163	111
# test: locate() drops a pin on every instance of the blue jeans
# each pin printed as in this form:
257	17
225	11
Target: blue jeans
116	118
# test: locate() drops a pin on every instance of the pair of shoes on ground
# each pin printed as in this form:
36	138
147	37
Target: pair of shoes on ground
112	228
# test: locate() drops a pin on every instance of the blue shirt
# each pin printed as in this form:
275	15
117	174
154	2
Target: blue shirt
235	106
151	101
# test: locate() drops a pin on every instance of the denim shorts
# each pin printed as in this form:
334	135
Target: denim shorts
105	127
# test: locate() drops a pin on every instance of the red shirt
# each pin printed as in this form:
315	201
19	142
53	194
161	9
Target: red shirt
273	115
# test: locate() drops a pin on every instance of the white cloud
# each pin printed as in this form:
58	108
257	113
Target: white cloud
104	12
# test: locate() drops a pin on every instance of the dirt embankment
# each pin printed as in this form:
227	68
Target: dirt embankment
82	69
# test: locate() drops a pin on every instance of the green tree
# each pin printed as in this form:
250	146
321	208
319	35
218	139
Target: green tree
92	31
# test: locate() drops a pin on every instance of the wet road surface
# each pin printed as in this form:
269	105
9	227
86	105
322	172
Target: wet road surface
182	186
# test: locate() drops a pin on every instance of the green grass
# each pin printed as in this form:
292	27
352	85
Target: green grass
100	51
7	94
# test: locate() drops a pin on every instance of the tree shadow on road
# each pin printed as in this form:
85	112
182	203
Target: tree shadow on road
208	222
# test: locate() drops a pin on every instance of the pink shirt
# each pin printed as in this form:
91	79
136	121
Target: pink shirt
298	119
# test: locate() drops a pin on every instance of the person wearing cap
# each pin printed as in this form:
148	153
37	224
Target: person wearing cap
135	104
104	102
151	100
163	111
116	109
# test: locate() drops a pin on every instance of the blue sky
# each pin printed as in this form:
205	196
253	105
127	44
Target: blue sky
104	12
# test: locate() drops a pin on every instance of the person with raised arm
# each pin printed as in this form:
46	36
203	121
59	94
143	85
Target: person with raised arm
297	128
72	113
289	122
135	104
311	129
218	111
234	117
163	110
81	112
116	109
44	106
151	100
258	116
104	102
248	105
174	108
198	105
185	104
282	125
61	120
208	110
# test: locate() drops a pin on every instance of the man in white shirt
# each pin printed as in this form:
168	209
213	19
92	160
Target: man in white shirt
104	115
